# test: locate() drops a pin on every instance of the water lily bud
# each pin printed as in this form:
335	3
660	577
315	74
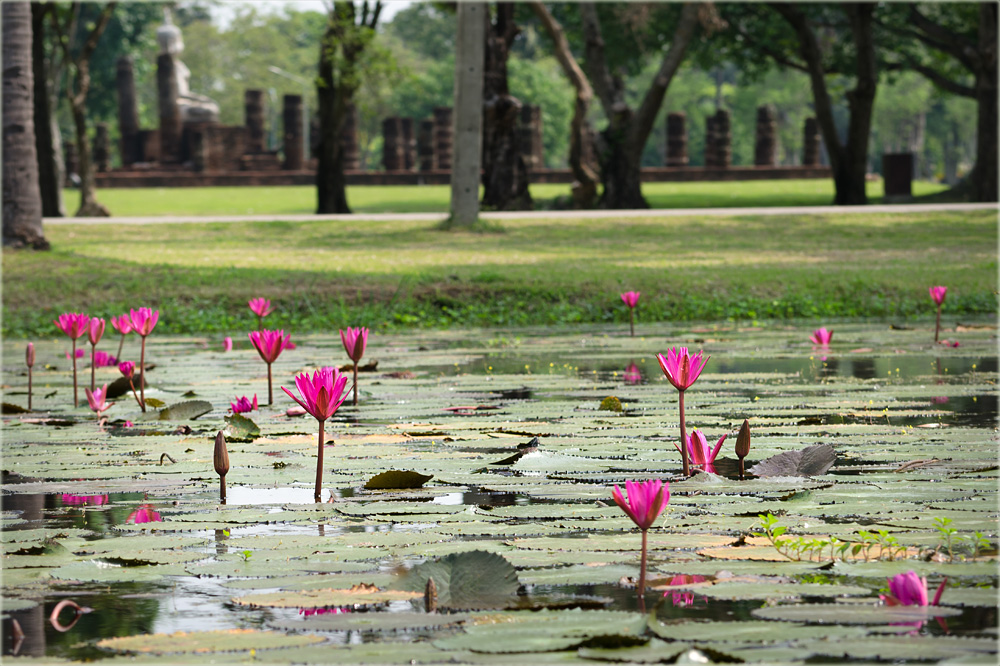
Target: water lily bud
221	455
743	440
29	355
430	596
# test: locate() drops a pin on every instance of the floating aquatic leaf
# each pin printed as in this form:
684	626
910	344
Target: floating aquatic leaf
372	622
810	461
200	642
470	580
324	598
185	411
239	428
397	479
852	613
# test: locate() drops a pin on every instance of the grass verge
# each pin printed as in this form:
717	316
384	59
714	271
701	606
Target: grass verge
296	200
397	274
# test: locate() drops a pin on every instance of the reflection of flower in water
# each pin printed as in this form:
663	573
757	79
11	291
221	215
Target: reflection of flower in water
144	514
909	589
81	500
323	611
632	374
682	598
939	399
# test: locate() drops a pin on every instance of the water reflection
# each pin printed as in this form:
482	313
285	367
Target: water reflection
144	514
686	597
632	374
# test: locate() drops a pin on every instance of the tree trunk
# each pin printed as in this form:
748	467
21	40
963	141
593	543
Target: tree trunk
581	135
89	205
505	175
47	144
847	162
22	204
620	145
331	185
984	174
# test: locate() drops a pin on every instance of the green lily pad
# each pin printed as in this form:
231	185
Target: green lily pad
200	642
852	613
239	428
470	580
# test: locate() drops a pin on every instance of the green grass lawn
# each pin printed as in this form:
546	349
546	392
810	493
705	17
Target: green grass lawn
324	275
296	200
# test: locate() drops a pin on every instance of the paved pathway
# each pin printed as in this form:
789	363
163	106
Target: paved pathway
544	214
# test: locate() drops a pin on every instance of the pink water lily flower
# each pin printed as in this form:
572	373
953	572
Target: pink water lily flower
354	340
73	324
644	503
269	345
322	394
909	589
78	354
104	360
144	320
260	306
699	451
938	294
122	324
144	514
631	298
95	330
98	399
682	370
821	337
127	368
243	405
227	344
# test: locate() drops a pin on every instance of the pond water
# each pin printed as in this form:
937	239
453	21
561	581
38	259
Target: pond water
127	522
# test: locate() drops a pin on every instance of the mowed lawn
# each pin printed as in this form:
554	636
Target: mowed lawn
301	200
322	275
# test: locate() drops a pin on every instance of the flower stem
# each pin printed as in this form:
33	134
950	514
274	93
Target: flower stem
76	394
142	375
355	383
29	388
270	396
93	367
132	386
641	590
121	344
684	447
631	322
937	325
319	465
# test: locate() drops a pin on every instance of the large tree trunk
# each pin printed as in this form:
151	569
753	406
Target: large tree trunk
580	135
620	145
341	49
22	205
331	185
47	144
847	162
505	175
984	175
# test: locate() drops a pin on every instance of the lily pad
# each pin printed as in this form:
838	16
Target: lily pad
200	642
240	428
852	613
397	479
471	580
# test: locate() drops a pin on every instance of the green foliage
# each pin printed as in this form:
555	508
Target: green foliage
468	580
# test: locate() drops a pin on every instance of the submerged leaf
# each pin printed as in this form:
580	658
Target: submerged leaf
241	429
473	579
810	461
396	479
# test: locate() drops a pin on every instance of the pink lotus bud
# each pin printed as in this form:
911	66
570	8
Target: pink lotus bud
29	355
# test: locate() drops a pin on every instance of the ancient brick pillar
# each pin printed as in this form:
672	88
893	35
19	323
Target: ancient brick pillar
292	123
128	112
810	143
170	113
409	143
102	148
392	144
677	140
723	140
443	137
711	160
199	149
255	120
425	145
766	147
349	140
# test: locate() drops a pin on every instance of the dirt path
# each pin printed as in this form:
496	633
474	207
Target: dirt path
552	214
